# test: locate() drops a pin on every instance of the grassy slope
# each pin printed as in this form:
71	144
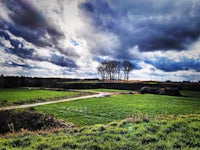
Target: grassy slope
104	110
19	96
182	132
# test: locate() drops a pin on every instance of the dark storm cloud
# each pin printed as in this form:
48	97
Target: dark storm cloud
5	35
28	34
28	53
23	14
62	61
150	24
29	23
18	47
169	65
22	52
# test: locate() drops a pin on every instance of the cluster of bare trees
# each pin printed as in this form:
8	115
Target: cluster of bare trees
111	70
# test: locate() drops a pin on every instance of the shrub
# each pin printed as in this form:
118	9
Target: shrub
94	147
102	128
161	91
42	146
20	142
30	120
69	145
3	102
149	139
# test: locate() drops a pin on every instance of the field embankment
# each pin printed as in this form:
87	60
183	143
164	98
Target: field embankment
15	121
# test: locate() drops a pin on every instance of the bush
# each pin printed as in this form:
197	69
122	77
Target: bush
169	91
3	102
42	146
16	120
161	91
149	139
69	145
20	143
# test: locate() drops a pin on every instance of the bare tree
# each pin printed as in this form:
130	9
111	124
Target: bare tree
101	69
127	67
118	69
109	69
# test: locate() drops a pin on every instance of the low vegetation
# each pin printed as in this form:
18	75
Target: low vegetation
164	132
161	91
21	96
12	121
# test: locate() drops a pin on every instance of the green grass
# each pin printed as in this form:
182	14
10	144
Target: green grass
193	94
118	122
175	132
21	96
106	90
104	110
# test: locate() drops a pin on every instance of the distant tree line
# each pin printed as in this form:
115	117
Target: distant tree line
22	81
69	83
111	70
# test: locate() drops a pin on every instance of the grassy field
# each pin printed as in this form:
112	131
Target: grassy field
21	96
105	90
116	107
191	94
126	121
172	132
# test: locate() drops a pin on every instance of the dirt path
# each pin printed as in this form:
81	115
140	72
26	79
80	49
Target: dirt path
100	94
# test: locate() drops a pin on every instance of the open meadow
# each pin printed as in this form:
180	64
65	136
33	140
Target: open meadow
19	96
116	107
122	121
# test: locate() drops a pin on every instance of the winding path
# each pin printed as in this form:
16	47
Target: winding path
100	94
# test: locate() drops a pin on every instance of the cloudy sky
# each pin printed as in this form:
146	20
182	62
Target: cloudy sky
69	38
